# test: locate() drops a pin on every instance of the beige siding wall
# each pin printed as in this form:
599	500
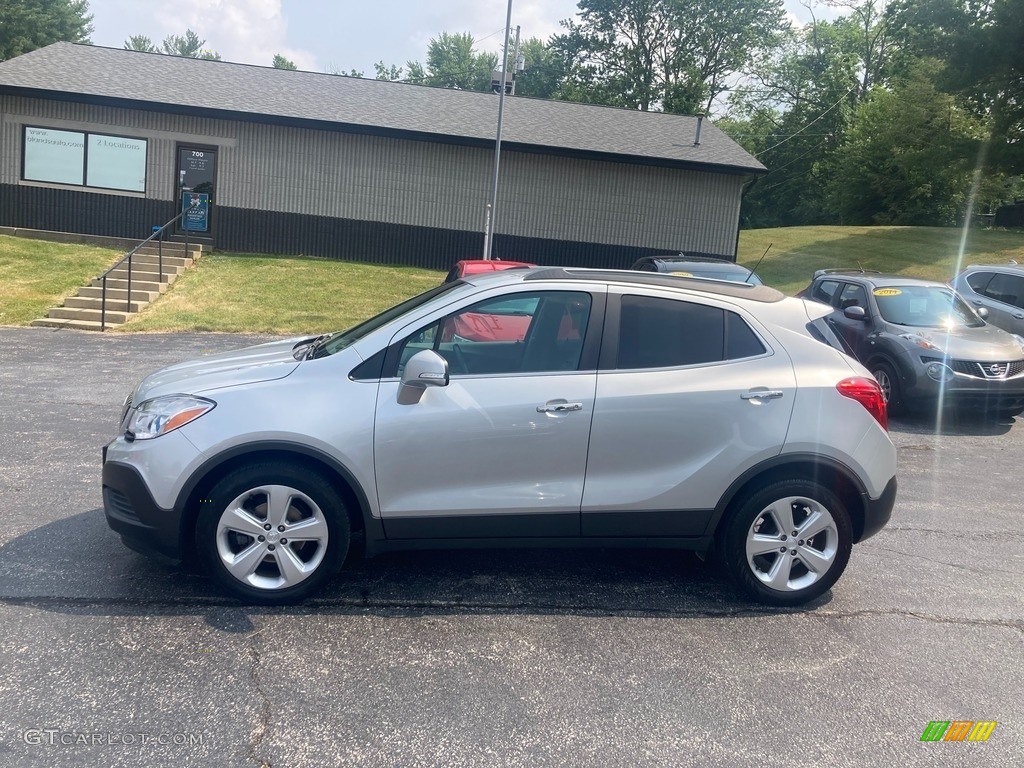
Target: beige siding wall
305	171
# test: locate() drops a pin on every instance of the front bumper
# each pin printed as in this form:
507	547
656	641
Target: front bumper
965	390
132	512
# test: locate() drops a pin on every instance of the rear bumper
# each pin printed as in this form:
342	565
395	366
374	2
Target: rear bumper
131	512
877	512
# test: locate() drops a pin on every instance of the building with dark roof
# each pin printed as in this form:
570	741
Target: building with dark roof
106	141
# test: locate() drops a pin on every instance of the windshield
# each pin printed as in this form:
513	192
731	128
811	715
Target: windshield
925	306
338	341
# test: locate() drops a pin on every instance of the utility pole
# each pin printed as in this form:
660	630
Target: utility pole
493	217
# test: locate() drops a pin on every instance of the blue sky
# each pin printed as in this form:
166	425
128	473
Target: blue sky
328	35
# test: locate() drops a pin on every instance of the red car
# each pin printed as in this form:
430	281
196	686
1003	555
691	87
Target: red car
479	266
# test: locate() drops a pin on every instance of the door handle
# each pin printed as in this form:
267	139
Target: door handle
757	395
1019	315
559	407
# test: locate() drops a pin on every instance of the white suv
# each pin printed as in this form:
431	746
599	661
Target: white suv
543	407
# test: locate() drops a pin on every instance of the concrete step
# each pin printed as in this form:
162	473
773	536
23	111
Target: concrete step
137	285
172	249
119	294
90	302
78	325
152	258
143	272
69	313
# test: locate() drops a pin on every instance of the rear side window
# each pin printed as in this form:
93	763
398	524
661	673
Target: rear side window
1008	289
825	291
665	333
978	281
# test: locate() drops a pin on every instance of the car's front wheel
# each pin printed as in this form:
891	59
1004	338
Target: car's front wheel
271	533
787	543
889	383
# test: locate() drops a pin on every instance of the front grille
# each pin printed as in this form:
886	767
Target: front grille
997	370
118	503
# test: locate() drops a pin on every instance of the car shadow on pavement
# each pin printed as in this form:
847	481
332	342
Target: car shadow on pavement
46	568
953	422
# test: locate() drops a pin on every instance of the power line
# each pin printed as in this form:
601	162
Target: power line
840	101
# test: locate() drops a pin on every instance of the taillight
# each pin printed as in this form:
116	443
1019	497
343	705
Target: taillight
867	393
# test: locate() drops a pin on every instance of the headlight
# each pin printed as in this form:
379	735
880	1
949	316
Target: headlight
161	415
919	341
939	372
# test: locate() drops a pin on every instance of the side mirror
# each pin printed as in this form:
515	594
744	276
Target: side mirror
855	313
424	369
982	312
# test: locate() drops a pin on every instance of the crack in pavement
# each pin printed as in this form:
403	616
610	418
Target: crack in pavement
870	549
362	607
956	534
263	724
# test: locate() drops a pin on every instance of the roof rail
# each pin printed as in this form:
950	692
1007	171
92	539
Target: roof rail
761	293
846	271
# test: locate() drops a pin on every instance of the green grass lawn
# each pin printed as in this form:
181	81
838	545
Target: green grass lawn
36	275
246	293
928	252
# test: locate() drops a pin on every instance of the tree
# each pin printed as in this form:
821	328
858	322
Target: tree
140	43
793	113
29	24
544	70
189	46
908	156
280	62
663	54
979	44
384	72
452	62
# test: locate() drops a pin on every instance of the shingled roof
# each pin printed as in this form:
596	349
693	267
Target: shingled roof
245	92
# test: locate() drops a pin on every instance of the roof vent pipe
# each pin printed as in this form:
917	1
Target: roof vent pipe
700	121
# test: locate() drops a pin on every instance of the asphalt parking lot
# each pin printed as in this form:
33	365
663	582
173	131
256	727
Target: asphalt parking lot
533	658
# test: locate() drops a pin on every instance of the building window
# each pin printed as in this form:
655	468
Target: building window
84	159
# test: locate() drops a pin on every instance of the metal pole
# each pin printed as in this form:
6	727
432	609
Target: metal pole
489	239
103	305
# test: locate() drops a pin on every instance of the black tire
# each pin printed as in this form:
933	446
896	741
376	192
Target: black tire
828	550
282	571
892	391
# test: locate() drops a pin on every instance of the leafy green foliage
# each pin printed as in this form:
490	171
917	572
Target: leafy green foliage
140	43
29	24
906	159
662	54
280	62
452	62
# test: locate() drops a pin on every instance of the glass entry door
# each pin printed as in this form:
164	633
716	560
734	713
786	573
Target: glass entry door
196	187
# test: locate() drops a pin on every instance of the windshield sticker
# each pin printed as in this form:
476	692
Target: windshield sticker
887	291
682	274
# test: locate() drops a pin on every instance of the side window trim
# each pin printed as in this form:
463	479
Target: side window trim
609	357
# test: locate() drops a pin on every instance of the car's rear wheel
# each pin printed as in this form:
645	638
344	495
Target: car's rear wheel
272	533
787	543
889	382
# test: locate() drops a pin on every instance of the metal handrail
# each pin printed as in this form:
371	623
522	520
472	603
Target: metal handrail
157	233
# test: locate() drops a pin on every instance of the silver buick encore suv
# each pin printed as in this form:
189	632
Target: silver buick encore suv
538	407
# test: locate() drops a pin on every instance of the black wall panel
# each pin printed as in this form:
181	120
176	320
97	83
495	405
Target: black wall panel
249	231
